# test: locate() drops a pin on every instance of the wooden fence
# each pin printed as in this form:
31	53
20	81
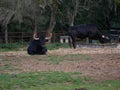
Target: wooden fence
115	33
27	36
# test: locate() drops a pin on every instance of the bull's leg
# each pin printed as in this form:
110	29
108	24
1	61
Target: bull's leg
73	42
90	41
30	52
44	50
70	41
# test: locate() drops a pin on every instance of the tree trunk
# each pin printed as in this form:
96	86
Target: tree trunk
107	24
52	22
6	34
5	23
71	15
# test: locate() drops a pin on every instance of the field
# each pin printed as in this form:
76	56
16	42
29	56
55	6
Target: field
61	69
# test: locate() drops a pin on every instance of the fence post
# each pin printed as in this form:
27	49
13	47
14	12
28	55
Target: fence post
22	37
64	39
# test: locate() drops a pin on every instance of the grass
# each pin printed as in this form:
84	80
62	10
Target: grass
49	80
9	67
53	81
58	59
50	59
23	46
54	59
77	57
12	46
54	46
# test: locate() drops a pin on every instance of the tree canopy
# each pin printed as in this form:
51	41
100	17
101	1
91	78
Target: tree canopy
49	15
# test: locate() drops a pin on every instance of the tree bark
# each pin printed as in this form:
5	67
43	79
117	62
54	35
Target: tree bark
52	22
5	24
6	34
72	14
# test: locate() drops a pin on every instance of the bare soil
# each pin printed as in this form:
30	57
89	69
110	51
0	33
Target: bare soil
98	63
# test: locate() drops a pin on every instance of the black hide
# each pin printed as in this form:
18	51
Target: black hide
85	31
37	47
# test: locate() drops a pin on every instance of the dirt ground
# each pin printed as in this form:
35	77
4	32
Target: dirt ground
98	63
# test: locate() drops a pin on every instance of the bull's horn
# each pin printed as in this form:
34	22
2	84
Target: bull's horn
103	36
35	36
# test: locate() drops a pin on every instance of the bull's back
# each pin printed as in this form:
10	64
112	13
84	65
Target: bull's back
84	29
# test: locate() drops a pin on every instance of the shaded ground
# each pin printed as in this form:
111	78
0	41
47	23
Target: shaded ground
98	63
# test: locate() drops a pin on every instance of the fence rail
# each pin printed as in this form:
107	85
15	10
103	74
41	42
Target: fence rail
115	34
27	36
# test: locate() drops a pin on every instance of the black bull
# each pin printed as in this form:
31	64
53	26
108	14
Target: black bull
86	31
37	47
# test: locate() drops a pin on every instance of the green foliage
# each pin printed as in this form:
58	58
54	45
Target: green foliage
117	1
31	13
17	27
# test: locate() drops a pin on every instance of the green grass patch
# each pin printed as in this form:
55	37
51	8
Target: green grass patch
77	57
58	59
87	57
23	46
6	60
54	46
11	59
9	67
12	46
53	81
51	59
54	59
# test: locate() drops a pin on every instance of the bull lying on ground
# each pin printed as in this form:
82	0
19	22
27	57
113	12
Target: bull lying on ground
37	47
86	31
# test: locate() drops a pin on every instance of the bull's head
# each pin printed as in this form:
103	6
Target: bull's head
105	39
47	38
41	39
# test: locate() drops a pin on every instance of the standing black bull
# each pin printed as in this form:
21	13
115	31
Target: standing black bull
37	46
85	31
